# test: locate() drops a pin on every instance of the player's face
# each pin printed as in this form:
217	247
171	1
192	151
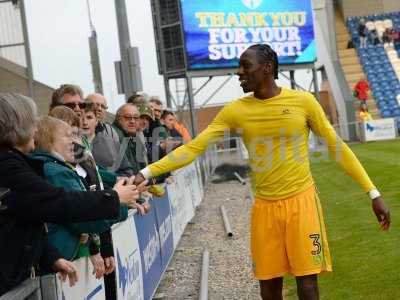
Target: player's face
251	72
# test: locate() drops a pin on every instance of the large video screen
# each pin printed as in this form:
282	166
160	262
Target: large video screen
218	31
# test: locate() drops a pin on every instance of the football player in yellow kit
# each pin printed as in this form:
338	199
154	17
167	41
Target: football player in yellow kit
287	227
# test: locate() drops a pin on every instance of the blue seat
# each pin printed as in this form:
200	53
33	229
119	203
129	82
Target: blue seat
384	108
382	101
386	114
367	63
396	112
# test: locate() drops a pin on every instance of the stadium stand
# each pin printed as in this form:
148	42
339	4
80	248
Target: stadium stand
381	62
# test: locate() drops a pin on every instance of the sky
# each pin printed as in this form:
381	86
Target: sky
58	34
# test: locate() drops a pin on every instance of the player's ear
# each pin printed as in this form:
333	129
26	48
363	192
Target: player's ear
267	68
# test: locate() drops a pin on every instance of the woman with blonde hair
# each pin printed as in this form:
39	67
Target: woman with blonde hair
54	144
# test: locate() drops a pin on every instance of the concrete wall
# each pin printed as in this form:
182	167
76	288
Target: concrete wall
11	82
351	8
391	5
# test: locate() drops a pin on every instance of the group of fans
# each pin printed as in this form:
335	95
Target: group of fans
79	152
389	36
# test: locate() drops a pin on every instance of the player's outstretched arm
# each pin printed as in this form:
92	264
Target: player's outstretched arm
185	154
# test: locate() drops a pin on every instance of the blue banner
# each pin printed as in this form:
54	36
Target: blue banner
164	221
150	250
218	31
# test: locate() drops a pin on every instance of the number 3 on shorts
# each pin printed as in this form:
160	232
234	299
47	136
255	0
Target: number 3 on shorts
316	243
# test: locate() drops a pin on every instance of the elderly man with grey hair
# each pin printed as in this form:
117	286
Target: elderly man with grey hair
33	201
126	125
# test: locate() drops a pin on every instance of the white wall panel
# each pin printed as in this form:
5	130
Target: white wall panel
11	33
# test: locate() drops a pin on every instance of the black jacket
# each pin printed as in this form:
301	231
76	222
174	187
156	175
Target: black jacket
32	202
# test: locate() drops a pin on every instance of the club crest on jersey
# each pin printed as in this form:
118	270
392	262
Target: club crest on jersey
252	4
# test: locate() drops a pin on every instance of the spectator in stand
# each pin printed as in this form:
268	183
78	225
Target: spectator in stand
374	37
33	201
156	106
54	144
104	263
146	117
363	33
158	131
126	125
137	99
68	95
174	138
183	131
361	90
106	145
363	114
395	36
141	151
387	37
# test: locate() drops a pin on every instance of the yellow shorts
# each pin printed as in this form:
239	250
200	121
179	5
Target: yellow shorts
288	236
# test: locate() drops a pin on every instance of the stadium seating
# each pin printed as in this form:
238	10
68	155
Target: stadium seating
381	63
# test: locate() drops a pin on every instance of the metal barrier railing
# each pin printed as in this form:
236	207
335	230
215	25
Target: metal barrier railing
29	289
46	288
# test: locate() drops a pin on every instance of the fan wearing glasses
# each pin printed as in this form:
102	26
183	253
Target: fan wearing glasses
68	95
126	125
100	103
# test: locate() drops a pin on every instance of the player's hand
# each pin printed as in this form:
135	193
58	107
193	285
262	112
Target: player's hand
138	179
140	182
382	212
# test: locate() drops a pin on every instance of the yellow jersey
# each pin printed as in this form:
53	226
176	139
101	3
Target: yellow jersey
364	116
275	132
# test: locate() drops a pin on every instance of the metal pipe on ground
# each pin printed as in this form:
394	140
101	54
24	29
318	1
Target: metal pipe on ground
225	218
240	178
204	276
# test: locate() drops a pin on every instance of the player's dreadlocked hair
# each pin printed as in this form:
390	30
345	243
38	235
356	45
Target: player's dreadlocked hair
267	55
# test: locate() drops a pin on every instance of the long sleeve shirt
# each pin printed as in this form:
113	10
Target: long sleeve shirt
275	131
